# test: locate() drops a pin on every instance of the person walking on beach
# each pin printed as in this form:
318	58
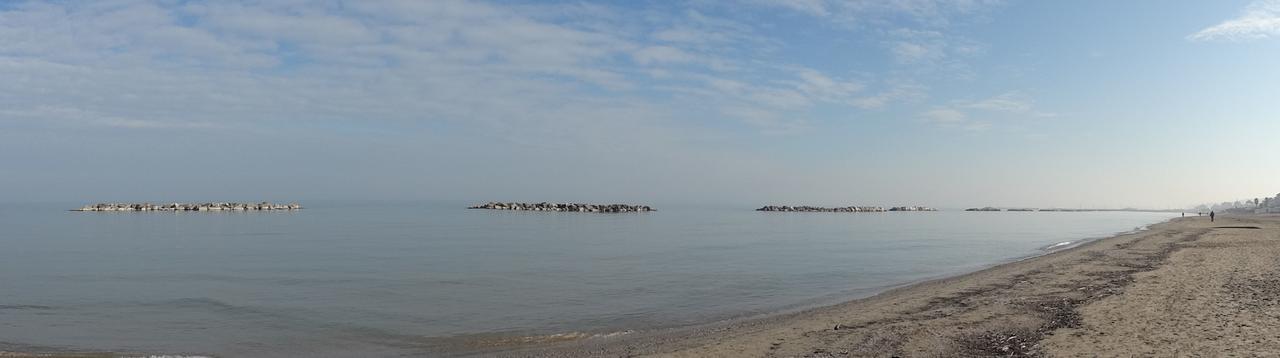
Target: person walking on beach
1210	216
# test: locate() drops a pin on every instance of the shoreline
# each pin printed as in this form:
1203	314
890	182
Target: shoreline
1036	305
1009	308
557	344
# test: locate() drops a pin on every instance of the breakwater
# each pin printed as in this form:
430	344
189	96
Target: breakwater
846	209
263	206
565	207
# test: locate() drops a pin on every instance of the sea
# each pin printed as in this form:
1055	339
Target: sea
342	279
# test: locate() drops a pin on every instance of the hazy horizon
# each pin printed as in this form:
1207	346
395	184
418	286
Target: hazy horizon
950	104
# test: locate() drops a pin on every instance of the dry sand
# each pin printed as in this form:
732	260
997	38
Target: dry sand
1185	287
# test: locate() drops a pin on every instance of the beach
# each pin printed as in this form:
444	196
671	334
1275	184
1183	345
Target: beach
567	178
1184	287
342	279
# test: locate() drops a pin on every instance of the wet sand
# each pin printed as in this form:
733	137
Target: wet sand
1184	287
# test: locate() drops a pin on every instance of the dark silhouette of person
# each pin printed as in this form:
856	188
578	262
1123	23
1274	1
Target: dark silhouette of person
1210	216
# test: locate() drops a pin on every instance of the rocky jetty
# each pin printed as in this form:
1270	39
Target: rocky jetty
983	209
912	208
263	206
817	209
566	207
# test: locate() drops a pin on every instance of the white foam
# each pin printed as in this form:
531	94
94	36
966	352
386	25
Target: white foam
1060	244
166	356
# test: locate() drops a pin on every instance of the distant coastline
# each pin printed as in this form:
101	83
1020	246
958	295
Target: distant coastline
263	206
846	209
991	208
565	207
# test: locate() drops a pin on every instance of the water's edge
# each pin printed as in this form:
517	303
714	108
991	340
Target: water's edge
432	280
497	343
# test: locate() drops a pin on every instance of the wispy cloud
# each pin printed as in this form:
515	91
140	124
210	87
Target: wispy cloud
861	12
905	92
918	46
979	114
914	32
1261	20
945	116
811	7
1008	102
503	68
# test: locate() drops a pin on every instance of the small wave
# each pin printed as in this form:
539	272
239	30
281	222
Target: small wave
25	307
166	356
220	307
1136	230
561	337
1058	245
199	302
494	341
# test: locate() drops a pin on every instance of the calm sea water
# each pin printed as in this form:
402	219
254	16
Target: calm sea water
386	279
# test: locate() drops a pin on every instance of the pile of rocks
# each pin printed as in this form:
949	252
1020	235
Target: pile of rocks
189	207
912	208
565	207
816	209
983	209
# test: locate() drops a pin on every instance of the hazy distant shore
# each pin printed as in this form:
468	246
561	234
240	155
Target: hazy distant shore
991	208
1187	286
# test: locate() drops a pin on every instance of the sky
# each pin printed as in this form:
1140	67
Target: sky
945	103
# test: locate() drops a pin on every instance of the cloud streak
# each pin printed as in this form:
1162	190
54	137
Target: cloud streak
978	115
503	69
862	12
1261	20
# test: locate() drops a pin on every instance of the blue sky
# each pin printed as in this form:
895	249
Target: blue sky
912	102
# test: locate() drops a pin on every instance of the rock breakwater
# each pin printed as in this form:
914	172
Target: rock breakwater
912	208
566	207
846	209
263	206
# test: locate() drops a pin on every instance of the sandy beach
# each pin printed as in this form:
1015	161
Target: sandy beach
1184	287
569	178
